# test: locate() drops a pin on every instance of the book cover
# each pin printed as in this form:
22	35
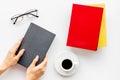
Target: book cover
36	42
85	26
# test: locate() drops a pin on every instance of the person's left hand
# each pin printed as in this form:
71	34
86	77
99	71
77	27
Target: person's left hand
11	58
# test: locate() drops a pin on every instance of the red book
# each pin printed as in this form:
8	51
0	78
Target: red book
85	27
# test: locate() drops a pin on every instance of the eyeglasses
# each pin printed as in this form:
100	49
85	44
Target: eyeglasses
30	13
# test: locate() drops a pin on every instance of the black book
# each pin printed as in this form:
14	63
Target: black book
35	42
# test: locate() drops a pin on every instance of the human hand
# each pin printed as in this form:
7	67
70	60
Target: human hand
11	58
34	72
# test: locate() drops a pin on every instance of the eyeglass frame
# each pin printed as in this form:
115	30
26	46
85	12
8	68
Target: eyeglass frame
26	13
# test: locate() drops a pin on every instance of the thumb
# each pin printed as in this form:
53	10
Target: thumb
35	61
20	54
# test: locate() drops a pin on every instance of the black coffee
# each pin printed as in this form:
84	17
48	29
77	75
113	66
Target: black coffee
67	64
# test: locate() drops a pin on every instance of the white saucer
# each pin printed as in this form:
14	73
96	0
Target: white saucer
66	55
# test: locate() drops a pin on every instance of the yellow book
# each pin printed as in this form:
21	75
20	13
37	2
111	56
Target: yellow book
102	37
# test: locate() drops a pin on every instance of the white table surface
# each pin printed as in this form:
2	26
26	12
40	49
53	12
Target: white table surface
54	15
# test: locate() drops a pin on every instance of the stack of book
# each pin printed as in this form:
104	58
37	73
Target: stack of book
87	27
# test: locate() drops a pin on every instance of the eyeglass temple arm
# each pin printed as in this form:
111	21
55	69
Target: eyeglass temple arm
15	20
34	15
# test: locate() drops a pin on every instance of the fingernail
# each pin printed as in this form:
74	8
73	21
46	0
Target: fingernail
23	50
37	57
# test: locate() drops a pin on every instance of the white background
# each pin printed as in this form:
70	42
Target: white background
54	15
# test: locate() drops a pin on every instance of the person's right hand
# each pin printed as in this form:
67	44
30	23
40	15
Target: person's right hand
11	57
34	72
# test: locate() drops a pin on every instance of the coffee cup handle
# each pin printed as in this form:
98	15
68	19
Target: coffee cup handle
75	63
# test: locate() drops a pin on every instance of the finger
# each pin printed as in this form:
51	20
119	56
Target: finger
20	54
43	64
16	46
35	61
45	59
